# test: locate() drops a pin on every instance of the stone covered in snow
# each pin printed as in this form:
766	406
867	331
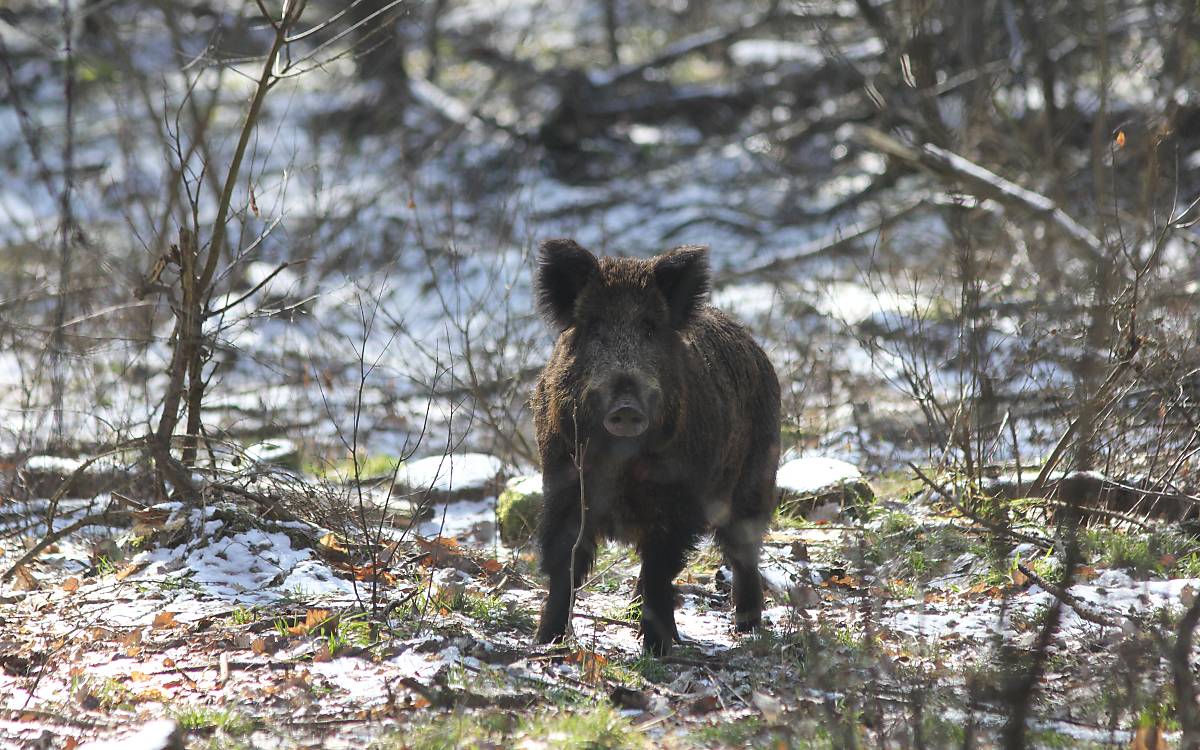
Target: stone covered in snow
805	484
455	476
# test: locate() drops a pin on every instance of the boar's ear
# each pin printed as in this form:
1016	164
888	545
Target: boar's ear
682	276
563	269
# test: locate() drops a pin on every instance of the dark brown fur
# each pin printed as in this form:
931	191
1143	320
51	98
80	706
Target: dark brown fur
640	332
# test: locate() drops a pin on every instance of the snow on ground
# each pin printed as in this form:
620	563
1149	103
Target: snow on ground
465	471
807	475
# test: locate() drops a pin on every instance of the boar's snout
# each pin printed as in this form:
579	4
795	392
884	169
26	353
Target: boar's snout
625	418
625	403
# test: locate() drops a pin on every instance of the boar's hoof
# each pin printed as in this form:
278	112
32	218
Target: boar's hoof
656	645
746	622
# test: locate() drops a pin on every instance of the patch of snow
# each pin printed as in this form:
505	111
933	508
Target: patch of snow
746	300
159	733
772	52
529	484
976	624
359	680
57	464
314	578
419	666
455	471
452	519
811	474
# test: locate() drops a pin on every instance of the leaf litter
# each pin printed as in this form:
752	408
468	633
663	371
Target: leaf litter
251	621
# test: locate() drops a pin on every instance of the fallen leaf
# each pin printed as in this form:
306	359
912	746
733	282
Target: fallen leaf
315	621
150	519
263	645
591	664
129	570
331	542
491	566
374	572
169	663
164	620
322	654
24	580
136	676
1148	738
71	584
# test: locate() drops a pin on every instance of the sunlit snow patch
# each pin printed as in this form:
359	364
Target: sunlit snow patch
456	472
804	475
459	518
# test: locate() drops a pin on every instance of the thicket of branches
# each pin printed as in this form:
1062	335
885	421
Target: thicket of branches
1023	173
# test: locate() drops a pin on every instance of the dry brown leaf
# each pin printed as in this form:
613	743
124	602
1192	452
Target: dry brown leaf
1019	578
133	651
322	654
71	584
373	573
1148	738
132	638
315	620
24	579
151	695
164	620
151	516
169	663
591	664
71	743
330	541
136	676
129	570
491	566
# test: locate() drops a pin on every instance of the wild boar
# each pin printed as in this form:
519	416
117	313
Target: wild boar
657	422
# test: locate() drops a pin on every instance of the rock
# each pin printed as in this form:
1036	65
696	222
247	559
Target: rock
806	484
160	734
277	451
517	509
457	476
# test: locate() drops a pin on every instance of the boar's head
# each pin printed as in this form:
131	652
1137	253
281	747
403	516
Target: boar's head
622	324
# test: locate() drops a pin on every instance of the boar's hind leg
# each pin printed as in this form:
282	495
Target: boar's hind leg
740	542
662	559
559	535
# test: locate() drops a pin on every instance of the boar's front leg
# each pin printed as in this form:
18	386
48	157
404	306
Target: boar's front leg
559	534
740	542
663	557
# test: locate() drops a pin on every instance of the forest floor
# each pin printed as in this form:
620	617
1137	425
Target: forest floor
899	624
